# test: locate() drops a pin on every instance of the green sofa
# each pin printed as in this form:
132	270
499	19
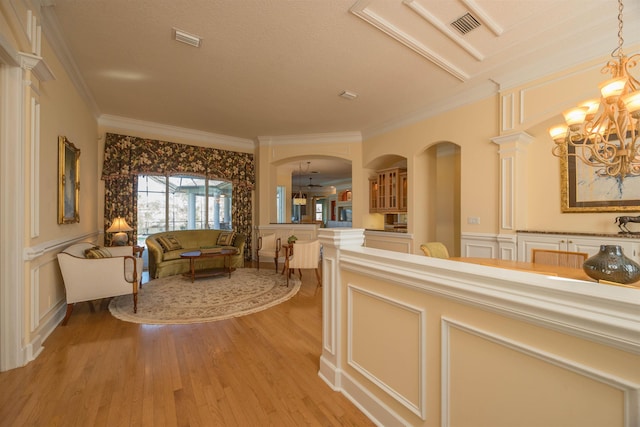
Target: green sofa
165	249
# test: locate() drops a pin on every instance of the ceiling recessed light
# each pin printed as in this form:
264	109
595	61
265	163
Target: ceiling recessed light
186	38
348	95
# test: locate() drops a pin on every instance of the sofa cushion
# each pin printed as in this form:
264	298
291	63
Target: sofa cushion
97	252
169	243
226	238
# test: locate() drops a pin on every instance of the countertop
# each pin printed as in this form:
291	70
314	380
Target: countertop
571	233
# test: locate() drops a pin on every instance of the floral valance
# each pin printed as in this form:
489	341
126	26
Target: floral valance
129	155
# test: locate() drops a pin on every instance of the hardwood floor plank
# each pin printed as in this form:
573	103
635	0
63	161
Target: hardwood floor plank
260	369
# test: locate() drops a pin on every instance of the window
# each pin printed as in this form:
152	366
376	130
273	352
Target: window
319	205
280	205
182	202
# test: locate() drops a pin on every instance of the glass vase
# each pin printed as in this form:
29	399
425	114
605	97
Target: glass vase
611	264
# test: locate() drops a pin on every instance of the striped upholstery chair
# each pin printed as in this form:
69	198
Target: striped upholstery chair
306	254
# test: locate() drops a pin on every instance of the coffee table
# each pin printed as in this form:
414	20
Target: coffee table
208	272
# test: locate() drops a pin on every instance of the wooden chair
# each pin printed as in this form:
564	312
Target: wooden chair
268	246
562	258
306	254
435	250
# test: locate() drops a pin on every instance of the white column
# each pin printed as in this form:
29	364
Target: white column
333	240
513	190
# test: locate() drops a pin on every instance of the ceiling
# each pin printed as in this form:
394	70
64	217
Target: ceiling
277	67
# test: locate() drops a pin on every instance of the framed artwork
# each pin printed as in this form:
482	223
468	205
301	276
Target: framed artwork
68	181
583	190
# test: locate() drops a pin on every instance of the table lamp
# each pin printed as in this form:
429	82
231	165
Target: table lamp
120	227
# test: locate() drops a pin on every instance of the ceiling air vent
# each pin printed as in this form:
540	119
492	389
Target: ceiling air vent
465	23
186	38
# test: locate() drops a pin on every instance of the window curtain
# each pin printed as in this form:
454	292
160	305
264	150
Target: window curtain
126	157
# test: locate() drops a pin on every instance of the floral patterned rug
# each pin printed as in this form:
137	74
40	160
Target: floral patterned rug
175	300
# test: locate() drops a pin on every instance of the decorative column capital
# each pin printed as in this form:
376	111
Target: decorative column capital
512	141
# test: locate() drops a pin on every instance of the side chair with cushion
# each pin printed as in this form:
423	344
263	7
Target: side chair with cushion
306	254
91	272
268	246
435	250
562	258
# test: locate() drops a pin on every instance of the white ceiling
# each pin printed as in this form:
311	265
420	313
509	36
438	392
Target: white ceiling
276	67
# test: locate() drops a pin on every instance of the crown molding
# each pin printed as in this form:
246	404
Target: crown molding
169	132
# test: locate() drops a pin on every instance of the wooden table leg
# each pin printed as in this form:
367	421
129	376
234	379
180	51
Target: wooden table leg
192	264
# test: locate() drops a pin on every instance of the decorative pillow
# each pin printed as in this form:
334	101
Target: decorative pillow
169	243
97	252
226	238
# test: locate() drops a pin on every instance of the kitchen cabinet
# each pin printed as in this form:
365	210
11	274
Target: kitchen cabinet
388	191
373	195
589	243
402	192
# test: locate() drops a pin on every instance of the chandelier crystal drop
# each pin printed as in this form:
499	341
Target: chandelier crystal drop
603	133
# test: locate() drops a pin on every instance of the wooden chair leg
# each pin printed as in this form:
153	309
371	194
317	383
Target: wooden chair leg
135	302
276	260
258	260
66	317
319	283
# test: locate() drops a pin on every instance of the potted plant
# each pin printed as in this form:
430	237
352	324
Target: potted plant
292	239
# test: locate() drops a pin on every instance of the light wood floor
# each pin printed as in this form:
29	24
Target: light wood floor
256	370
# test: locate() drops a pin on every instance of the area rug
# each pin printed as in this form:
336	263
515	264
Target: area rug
175	300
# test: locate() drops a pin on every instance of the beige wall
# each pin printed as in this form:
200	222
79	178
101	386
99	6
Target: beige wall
63	113
533	108
51	108
471	128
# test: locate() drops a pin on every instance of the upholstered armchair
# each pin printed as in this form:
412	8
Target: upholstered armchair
306	254
91	272
268	246
435	250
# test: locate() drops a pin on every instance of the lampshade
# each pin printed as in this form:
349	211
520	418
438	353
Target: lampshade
592	107
632	102
612	88
119	224
574	117
558	133
120	227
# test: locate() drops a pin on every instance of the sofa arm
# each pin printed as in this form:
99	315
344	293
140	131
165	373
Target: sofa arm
240	242
156	255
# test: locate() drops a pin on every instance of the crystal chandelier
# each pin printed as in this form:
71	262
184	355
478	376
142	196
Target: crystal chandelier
603	133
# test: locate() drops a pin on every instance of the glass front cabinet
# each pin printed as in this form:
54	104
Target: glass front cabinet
388	191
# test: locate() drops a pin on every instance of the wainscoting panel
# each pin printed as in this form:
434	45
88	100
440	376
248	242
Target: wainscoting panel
479	245
396	242
569	392
394	357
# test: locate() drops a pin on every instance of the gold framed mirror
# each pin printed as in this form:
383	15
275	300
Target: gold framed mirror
68	181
